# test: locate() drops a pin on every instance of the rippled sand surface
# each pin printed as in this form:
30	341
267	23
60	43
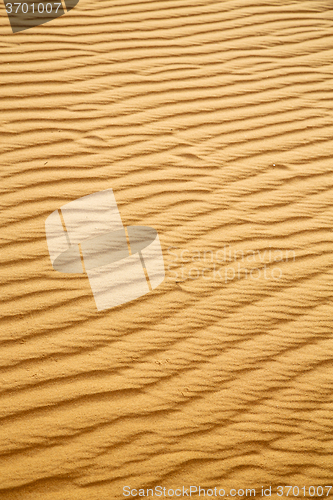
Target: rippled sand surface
212	122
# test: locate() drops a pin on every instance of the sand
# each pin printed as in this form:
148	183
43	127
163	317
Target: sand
212	122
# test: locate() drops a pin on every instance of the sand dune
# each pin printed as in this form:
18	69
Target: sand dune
212	122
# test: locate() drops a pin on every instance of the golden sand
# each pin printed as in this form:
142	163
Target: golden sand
212	122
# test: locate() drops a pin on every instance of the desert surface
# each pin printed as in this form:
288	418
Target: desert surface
212	123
